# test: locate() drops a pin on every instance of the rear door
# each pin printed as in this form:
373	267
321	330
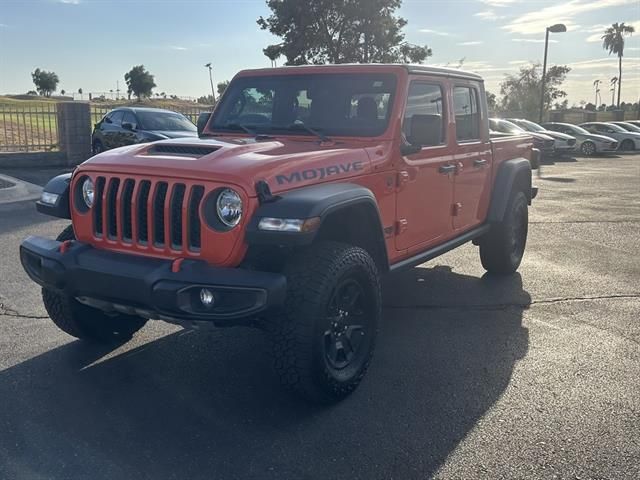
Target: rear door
425	178
473	158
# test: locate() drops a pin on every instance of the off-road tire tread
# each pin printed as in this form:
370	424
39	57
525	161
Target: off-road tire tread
309	274
494	248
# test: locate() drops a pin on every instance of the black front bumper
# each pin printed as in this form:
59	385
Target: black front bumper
148	286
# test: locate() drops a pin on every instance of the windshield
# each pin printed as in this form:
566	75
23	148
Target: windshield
577	129
331	104
629	127
616	128
504	126
530	126
167	121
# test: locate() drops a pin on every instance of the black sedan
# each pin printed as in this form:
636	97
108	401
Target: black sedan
129	125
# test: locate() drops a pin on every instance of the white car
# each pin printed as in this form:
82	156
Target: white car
562	143
627	141
588	143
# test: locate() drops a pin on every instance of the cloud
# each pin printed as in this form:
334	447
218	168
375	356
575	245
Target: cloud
2	25
533	40
498	3
176	47
434	32
518	62
606	64
535	22
70	2
475	42
489	15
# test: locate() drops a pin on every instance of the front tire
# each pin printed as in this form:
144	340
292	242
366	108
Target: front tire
84	322
502	249
627	146
324	339
588	149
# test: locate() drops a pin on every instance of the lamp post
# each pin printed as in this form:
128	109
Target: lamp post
213	93
557	28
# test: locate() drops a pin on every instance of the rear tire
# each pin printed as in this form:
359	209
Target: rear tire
84	322
324	339
502	249
588	149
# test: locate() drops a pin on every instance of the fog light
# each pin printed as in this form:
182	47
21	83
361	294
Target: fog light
206	297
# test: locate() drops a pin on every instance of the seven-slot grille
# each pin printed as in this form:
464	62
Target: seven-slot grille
158	213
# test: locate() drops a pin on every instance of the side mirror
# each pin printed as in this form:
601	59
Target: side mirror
425	130
128	126
203	119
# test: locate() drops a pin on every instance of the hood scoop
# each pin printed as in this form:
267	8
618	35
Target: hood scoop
195	151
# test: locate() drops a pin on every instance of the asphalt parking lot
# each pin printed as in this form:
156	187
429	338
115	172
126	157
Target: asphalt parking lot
531	376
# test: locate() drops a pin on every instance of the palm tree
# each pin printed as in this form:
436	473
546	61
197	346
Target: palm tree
595	84
613	41
613	83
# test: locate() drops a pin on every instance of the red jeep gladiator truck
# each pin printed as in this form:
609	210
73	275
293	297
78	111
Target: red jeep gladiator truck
305	186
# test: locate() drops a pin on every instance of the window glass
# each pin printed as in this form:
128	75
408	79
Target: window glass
334	104
129	118
425	100
116	118
465	104
167	121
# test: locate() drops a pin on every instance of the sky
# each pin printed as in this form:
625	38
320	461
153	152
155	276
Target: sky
90	44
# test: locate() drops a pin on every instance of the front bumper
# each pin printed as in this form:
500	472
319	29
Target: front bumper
152	288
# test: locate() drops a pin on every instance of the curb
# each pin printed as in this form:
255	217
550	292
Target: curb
19	192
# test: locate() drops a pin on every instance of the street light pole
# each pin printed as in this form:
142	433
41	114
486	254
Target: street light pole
557	28
213	93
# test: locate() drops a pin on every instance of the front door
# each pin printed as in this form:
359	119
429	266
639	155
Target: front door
425	179
473	159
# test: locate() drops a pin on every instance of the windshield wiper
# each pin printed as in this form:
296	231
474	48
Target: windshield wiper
306	128
237	126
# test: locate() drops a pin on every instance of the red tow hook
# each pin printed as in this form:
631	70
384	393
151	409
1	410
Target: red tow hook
65	246
177	263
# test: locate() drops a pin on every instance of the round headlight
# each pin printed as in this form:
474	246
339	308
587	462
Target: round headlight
229	207
88	192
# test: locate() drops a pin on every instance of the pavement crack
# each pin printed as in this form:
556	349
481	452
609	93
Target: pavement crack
10	312
523	305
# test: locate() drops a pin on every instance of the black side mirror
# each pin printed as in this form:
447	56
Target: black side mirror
128	126
203	119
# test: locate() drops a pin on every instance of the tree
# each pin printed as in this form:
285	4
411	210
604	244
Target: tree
80	92
206	99
590	106
45	82
521	92
613	41
492	101
613	82
62	92
139	82
339	31
221	87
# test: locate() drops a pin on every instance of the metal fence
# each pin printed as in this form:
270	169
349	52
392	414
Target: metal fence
190	111
29	128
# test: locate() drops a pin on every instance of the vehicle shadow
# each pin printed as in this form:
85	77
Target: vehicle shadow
206	405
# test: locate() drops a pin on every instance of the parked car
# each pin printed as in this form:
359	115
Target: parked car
542	142
563	143
306	186
589	144
129	125
633	122
628	126
627	141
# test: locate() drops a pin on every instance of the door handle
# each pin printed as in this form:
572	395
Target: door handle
447	169
479	163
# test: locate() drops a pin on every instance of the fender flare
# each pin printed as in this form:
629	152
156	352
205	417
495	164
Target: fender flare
510	173
60	186
320	201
